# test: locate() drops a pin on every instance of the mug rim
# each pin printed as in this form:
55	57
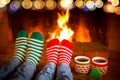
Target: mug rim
77	57
103	58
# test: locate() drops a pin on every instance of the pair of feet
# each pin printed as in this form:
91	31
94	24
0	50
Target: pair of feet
59	52
34	46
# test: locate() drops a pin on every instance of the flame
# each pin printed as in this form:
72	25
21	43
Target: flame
65	31
82	33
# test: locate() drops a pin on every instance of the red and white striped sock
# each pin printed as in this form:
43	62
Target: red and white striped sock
65	53
52	49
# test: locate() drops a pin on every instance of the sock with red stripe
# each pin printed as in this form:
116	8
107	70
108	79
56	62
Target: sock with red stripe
52	49
65	52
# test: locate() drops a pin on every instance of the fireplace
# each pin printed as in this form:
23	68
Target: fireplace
95	28
91	24
89	28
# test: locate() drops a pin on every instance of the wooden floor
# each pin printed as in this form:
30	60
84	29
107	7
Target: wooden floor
91	50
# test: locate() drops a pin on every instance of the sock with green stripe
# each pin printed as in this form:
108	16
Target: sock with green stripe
35	48
21	45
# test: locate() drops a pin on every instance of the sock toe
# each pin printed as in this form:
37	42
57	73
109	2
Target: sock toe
53	42
36	35
67	44
22	34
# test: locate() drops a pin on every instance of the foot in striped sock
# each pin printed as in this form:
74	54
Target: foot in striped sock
35	48
52	49
65	52
21	45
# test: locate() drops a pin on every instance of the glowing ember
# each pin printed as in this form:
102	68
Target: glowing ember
65	31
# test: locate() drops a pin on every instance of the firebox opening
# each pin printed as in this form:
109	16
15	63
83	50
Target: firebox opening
87	26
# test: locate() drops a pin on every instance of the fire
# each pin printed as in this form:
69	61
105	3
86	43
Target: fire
65	31
82	33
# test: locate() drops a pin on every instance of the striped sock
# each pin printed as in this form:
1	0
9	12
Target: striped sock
21	45
52	49
65	53
35	48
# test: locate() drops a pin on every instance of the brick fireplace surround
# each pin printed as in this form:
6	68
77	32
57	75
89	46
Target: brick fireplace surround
111	51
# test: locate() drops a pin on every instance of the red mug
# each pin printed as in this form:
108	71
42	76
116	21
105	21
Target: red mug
101	63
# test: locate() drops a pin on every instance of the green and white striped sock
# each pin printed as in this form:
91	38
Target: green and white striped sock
21	45
35	48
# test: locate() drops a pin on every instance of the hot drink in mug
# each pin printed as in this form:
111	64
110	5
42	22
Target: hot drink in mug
82	64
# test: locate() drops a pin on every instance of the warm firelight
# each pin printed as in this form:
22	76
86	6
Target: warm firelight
65	31
82	33
62	30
